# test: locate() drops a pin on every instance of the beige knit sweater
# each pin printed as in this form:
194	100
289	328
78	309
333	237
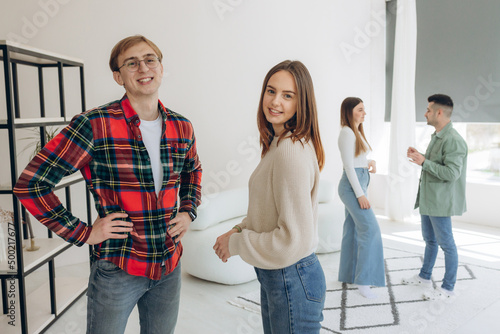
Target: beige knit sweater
281	224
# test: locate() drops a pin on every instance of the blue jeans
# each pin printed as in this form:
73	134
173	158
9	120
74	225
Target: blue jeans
361	254
112	294
292	298
436	232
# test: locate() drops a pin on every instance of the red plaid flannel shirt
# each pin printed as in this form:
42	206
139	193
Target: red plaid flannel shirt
105	145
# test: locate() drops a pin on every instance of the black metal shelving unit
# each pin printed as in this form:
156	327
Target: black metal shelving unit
14	55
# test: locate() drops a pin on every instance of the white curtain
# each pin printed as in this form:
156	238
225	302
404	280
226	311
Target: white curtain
403	175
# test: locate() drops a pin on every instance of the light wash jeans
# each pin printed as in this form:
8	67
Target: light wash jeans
292	298
436	232
361	254
112	294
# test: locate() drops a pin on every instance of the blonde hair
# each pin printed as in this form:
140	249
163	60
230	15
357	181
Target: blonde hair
127	43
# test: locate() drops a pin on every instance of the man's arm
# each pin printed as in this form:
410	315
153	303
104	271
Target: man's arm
415	156
454	152
189	192
68	152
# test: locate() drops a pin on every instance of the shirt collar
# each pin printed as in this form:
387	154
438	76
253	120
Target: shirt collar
132	116
443	131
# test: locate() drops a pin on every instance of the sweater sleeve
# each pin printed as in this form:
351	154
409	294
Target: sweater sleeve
243	223
294	176
347	147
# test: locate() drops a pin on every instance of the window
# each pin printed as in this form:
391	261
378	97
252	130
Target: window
484	150
457	55
483	140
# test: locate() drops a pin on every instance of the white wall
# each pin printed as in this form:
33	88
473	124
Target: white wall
215	61
216	54
482	201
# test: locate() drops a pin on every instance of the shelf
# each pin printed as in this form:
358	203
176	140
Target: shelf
34	122
36	318
69	180
39	317
35	56
66	181
48	248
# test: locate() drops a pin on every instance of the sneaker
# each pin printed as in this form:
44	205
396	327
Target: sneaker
438	294
418	281
366	291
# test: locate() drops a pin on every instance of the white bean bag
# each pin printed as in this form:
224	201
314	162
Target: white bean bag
330	219
217	215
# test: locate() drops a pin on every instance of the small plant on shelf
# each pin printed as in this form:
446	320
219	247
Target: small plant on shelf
35	142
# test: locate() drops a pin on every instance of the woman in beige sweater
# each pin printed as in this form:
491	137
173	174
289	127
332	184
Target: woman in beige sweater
280	233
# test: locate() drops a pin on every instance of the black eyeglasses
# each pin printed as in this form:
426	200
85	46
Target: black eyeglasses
133	64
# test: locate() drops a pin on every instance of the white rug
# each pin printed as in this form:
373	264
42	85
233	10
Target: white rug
400	308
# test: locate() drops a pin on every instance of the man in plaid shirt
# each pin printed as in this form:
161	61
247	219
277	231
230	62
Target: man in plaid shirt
137	158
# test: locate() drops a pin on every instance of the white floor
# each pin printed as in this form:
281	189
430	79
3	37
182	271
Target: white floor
204	307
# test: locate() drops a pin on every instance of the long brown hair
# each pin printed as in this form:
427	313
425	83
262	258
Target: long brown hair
304	124
346	111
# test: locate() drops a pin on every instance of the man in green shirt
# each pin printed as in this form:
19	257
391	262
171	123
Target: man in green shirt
441	194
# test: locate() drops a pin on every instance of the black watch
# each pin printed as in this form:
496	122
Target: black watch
192	215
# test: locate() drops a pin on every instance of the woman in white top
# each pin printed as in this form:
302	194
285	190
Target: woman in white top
280	233
361	256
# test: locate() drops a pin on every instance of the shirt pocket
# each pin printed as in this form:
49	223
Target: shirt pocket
178	152
436	153
439	196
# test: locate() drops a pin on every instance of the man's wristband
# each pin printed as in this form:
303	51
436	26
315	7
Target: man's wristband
192	215
237	228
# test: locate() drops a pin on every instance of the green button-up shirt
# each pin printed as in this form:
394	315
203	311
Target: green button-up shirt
441	190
